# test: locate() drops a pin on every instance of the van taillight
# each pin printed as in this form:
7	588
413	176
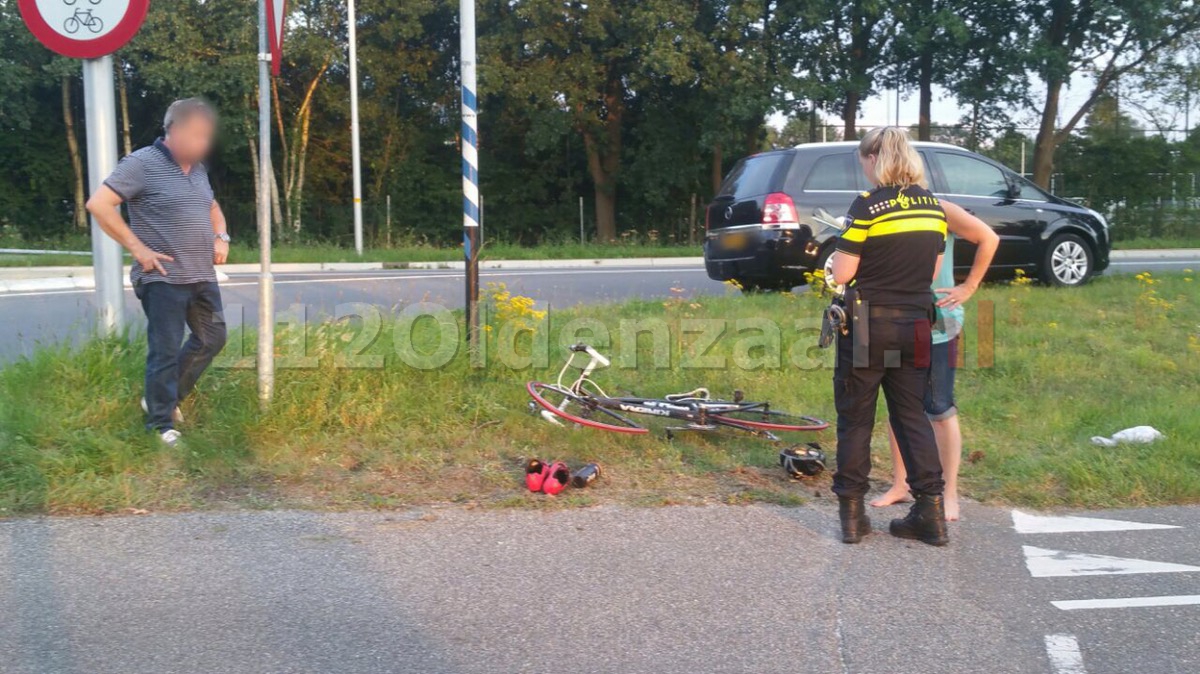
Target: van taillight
779	209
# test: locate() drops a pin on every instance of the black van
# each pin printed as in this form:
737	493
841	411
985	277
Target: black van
760	230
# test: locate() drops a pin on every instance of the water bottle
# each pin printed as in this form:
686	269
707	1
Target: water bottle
585	476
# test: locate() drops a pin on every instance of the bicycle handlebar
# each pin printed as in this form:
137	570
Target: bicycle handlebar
584	348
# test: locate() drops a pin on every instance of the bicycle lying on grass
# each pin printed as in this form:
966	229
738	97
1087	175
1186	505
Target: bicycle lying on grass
583	402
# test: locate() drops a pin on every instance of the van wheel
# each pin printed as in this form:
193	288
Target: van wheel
823	257
1068	261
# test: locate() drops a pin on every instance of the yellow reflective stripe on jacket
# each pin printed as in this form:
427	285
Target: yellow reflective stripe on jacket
907	225
896	223
855	234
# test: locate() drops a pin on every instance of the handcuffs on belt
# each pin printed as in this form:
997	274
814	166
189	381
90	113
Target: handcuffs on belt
833	319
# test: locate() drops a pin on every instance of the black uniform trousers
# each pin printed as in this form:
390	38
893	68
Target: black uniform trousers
896	358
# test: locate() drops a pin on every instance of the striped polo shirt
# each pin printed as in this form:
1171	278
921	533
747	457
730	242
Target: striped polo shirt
170	211
898	233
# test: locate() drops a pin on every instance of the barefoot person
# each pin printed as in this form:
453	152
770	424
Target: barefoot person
176	232
939	397
888	257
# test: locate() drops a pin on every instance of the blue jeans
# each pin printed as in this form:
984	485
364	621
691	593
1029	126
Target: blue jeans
939	395
172	366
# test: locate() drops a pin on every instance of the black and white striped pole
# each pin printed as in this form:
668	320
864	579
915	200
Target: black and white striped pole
470	167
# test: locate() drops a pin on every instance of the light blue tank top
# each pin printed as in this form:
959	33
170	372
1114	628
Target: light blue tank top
949	322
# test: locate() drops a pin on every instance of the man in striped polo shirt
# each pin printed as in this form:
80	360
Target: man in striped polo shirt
176	233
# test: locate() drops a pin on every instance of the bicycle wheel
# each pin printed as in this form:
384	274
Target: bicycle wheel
589	413
758	415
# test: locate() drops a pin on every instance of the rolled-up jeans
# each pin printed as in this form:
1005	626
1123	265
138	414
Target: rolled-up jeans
172	366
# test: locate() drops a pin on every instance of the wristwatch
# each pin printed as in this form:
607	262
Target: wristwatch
222	236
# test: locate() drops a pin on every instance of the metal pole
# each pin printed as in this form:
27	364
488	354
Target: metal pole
470	165
897	100
389	221
100	110
582	240
352	20
266	284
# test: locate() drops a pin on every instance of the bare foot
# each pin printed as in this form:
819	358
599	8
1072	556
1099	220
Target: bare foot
898	495
951	508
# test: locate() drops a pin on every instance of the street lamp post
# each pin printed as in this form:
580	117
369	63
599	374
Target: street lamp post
266	283
352	21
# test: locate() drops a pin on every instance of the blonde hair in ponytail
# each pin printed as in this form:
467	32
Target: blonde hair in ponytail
897	164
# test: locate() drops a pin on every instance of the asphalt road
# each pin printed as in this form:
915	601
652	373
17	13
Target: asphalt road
50	317
607	590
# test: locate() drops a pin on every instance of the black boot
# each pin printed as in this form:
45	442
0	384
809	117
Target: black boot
855	523
926	521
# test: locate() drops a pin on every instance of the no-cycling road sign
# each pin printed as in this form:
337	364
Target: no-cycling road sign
84	29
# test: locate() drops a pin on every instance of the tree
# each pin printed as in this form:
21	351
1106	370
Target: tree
742	76
845	50
1102	38
969	47
1008	148
929	44
592	60
68	111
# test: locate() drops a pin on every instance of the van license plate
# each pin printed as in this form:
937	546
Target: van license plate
733	241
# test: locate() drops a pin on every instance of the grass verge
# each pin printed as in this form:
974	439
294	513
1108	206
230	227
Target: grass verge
347	431
1147	243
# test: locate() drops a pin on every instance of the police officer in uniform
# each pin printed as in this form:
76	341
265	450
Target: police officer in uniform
888	257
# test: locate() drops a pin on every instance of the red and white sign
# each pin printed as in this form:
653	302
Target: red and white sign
276	14
84	29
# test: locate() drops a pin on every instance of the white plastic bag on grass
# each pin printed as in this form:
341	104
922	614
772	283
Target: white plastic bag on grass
1138	434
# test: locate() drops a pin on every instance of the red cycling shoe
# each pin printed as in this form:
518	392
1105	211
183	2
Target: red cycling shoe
557	479
535	474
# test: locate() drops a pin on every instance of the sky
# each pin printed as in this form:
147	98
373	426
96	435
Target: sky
880	110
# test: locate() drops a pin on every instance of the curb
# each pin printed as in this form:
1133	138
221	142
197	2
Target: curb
301	267
1157	254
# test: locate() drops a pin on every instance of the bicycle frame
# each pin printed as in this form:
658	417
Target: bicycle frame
695	408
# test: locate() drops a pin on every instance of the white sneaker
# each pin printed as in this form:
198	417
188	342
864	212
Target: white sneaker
176	416
171	437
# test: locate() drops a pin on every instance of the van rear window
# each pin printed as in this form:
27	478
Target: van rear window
836	172
755	176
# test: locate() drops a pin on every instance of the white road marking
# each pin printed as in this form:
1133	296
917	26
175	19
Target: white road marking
1025	523
1064	654
1129	602
1043	563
